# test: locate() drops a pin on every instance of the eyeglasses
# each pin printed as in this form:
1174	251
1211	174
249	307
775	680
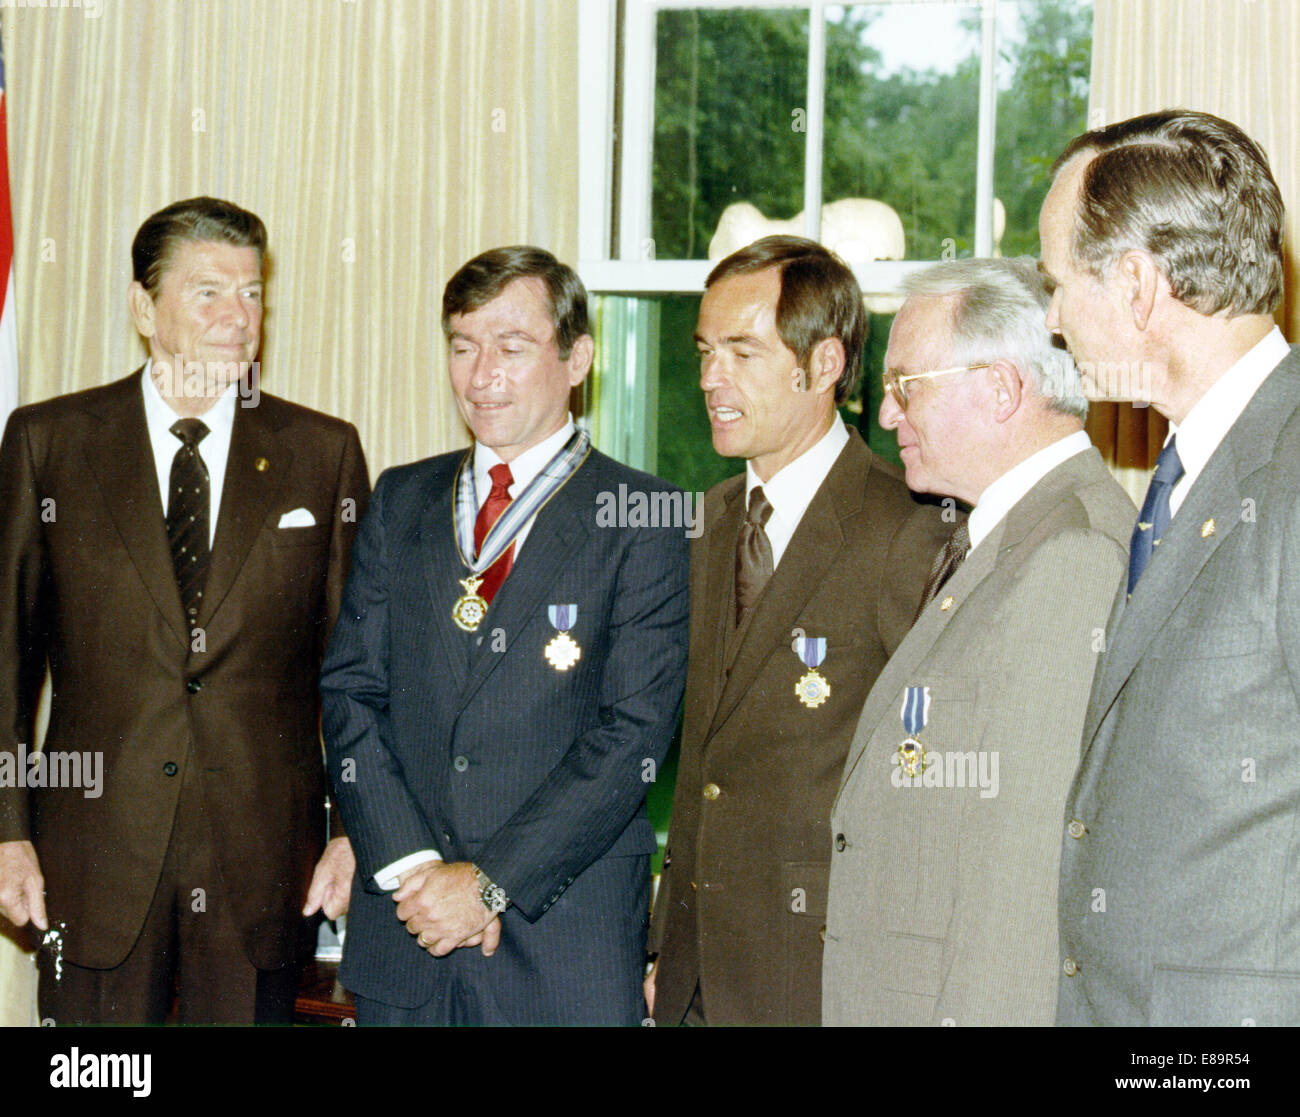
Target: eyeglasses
896	385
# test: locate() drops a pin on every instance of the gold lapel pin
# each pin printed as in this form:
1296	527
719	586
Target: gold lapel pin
1207	528
945	604
261	465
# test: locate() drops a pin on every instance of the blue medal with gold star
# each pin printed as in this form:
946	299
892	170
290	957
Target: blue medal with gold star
813	689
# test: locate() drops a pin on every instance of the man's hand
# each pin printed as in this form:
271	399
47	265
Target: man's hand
331	883
440	905
22	888
649	986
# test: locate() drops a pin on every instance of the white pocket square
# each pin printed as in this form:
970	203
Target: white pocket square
299	517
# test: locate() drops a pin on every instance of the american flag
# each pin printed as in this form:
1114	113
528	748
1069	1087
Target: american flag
8	320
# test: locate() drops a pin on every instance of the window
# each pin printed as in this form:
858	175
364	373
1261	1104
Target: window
927	127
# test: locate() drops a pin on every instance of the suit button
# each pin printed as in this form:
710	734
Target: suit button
1070	967
711	791
840	843
194	686
170	769
460	763
1076	829
694	887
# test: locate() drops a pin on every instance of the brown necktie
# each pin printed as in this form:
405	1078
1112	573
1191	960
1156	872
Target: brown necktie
187	515
498	500
753	554
945	565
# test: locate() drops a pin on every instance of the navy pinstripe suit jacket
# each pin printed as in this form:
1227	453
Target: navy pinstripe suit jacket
473	744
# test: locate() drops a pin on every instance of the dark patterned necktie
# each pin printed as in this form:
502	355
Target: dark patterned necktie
1155	515
950	556
753	553
187	515
498	500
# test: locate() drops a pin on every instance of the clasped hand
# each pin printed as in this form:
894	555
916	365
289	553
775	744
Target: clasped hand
441	907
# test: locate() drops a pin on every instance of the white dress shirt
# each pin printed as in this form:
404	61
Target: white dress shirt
1211	417
522	470
214	449
1008	490
792	488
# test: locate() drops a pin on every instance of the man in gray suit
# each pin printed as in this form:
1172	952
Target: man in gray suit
943	878
1179	902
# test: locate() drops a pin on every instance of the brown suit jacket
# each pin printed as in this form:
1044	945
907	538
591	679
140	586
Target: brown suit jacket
742	902
86	583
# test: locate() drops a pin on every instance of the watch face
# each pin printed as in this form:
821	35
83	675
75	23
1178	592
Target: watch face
494	897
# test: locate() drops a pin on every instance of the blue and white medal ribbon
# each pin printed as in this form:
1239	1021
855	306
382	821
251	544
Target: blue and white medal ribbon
470	608
911	756
812	690
563	651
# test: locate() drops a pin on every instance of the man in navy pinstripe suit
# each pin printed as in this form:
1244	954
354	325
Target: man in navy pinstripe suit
502	684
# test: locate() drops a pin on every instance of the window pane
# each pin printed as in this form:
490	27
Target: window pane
902	114
730	87
1044	56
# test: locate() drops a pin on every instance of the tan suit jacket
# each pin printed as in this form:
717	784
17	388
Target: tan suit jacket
943	889
741	905
86	582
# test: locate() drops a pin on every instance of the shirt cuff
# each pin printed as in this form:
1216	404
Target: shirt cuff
386	878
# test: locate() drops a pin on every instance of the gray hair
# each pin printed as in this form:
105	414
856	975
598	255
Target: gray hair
1195	192
1001	313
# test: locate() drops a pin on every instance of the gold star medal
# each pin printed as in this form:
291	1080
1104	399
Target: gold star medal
563	650
813	688
470	609
478	556
911	756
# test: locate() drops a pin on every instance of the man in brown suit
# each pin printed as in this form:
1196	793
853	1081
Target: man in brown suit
805	579
174	545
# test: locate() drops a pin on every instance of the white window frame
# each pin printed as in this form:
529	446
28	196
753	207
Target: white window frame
635	270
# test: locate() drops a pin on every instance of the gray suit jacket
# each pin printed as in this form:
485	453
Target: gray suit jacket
1180	903
943	889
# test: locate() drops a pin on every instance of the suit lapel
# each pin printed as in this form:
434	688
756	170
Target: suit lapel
248	497
121	458
904	666
443	569
1189	542
557	535
813	548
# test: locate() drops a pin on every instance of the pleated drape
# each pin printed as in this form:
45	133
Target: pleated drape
383	142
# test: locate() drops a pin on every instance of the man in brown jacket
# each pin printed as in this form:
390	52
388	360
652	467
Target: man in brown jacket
808	574
174	545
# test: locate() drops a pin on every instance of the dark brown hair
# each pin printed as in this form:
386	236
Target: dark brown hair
819	299
487	275
195	219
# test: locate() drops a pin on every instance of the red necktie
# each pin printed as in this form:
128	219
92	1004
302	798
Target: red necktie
497	502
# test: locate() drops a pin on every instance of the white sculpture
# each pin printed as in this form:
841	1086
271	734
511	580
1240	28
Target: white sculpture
859	230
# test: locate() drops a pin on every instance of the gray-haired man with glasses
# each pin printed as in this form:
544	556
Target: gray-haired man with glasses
946	830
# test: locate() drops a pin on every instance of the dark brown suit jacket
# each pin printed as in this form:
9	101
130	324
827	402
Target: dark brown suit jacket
86	583
742	902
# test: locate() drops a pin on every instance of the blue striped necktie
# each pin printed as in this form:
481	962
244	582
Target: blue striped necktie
1155	515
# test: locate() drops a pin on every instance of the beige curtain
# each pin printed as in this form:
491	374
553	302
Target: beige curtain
383	142
1235	58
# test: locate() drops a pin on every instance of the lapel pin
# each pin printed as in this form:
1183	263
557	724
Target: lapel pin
945	604
1207	528
261	465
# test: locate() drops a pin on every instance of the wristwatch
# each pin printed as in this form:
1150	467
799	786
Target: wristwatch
493	895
